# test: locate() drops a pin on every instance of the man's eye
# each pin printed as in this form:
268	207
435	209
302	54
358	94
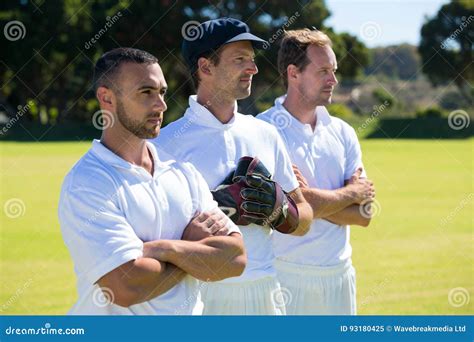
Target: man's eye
147	92
163	92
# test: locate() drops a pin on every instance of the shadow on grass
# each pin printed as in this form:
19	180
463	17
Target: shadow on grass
31	132
421	128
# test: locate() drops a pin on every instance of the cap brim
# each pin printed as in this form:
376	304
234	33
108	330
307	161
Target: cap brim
256	42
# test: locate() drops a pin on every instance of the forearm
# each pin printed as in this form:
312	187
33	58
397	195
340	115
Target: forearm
305	214
349	215
151	280
327	202
211	259
140	280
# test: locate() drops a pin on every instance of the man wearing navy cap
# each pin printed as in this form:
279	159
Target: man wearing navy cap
214	137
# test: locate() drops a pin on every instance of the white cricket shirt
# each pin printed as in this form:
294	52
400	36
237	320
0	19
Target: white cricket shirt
326	158
214	149
109	207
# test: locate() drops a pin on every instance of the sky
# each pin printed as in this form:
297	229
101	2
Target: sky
382	22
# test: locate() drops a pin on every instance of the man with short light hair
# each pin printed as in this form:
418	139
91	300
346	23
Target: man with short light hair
316	269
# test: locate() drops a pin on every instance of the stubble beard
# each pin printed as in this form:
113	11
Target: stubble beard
135	127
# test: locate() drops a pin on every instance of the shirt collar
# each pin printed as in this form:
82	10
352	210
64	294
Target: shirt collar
322	116
202	116
161	160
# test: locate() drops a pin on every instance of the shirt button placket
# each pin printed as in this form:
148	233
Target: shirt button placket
229	146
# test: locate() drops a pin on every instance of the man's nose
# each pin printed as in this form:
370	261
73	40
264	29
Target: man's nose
252	69
160	103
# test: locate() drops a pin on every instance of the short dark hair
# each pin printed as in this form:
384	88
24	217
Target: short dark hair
214	56
106	68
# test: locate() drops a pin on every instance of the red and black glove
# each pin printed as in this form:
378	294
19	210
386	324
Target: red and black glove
249	195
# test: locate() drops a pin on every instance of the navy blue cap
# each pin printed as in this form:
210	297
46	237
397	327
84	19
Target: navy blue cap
210	35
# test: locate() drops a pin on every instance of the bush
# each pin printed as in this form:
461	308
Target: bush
340	110
431	112
453	100
384	97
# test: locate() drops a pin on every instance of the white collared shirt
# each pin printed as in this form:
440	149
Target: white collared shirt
326	157
109	207
215	148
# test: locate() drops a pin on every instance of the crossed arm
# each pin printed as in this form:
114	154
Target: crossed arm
349	215
212	259
305	212
340	206
166	262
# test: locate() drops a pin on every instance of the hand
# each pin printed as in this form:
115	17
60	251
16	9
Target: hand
265	203
355	177
253	197
360	189
213	223
299	176
258	200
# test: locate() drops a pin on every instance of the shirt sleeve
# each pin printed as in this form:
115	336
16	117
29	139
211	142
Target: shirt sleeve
353	154
95	231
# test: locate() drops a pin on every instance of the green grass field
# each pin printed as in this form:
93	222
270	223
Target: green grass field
418	249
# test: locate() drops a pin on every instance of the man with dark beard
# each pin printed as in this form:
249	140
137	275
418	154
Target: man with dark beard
141	228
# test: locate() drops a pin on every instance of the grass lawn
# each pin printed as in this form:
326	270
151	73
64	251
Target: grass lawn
418	249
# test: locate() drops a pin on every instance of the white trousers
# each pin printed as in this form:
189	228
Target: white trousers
257	297
312	290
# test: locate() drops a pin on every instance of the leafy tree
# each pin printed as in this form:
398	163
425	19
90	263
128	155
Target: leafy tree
446	46
352	55
52	64
397	61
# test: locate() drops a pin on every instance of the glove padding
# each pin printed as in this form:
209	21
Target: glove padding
249	195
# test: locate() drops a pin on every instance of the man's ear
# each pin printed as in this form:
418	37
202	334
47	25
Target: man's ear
292	72
204	65
106	97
